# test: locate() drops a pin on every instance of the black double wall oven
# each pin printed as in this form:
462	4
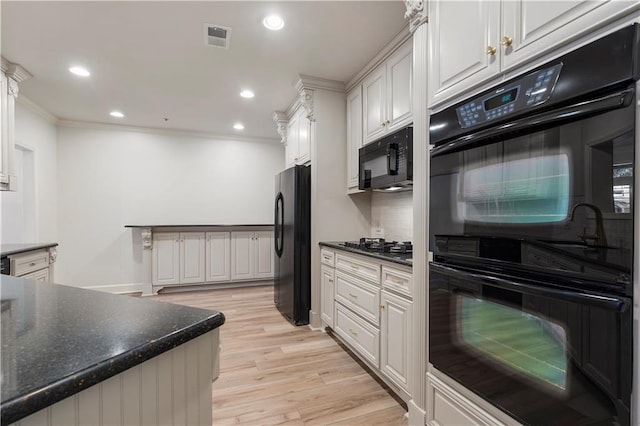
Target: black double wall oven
531	225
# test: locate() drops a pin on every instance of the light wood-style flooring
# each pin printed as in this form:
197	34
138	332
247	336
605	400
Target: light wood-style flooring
272	372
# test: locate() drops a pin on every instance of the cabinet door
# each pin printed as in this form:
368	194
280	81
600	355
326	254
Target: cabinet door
291	150
41	276
166	258
327	303
395	327
304	137
354	135
264	254
242	255
399	87
536	27
459	34
374	104
192	257
218	256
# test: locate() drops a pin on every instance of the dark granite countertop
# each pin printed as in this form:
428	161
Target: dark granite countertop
7	249
202	226
399	258
59	340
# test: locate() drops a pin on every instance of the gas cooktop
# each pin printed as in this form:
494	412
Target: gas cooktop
380	245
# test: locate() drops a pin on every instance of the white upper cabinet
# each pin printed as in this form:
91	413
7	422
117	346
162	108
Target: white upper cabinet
471	42
462	45
386	95
354	135
298	138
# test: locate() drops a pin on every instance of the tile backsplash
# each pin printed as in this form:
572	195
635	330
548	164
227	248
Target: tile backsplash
393	212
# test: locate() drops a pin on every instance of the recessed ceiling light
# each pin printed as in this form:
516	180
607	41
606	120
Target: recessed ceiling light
117	114
81	71
238	126
247	94
273	22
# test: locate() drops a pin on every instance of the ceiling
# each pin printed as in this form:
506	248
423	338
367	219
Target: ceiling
149	60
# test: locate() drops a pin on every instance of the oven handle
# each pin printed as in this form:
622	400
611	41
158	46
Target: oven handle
613	303
605	103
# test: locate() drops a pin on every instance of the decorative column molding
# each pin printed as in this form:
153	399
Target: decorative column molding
281	121
415	14
13	71
13	88
306	100
53	254
147	238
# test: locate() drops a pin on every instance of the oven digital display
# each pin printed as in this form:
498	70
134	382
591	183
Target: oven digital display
501	99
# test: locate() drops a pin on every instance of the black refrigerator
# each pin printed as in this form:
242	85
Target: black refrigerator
292	278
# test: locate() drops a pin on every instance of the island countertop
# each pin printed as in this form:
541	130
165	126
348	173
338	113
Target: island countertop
59	340
8	249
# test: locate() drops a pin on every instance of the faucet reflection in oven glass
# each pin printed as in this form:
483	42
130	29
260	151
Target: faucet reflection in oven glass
600	238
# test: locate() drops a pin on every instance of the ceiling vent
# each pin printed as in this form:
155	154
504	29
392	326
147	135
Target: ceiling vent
217	36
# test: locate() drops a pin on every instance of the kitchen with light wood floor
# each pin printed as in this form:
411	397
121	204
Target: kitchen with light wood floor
272	372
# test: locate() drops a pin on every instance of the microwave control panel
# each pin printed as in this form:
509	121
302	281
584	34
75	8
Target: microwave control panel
529	91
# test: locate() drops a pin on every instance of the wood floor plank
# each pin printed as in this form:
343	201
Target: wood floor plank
273	373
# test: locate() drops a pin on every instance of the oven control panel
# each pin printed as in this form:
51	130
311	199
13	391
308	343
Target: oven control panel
531	90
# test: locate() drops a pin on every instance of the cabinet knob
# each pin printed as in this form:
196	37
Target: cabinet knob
381	306
506	41
382	124
386	123
32	264
295	159
491	50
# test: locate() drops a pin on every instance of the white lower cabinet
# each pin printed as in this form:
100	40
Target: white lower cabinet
251	255
395	328
178	258
327	302
367	303
33	264
447	407
218	256
186	258
41	276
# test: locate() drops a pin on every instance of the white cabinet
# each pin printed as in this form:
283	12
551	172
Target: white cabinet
298	138
395	330
218	256
387	95
178	258
327	303
500	35
33	264
11	75
251	255
354	135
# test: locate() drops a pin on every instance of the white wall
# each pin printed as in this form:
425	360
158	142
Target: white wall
110	177
393	212
32	220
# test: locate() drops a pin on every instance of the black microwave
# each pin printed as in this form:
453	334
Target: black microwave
387	164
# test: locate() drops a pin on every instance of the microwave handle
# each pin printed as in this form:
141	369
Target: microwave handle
392	159
619	304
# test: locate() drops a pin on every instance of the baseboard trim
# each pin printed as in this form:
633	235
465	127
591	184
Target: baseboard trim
213	286
120	288
417	416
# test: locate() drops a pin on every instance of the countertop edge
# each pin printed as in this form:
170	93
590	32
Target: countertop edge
336	246
18	408
203	226
28	247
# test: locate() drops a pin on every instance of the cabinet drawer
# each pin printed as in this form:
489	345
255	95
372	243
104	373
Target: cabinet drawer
363	337
359	296
327	257
399	281
22	264
361	268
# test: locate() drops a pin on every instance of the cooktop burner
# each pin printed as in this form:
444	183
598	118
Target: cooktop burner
379	245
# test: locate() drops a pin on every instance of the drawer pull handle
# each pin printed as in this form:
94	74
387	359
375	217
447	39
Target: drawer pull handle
353	332
355	266
32	264
355	296
330	280
397	281
326	257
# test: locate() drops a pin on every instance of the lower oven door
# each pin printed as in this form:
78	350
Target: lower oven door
544	355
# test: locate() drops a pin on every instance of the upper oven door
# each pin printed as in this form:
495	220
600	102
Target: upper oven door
553	191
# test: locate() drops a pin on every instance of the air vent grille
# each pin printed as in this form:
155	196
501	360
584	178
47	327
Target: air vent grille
217	36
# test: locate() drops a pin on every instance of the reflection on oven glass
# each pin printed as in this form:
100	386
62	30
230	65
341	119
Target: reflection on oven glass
524	190
514	340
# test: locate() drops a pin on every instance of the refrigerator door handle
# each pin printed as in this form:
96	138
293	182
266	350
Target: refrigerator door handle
278	221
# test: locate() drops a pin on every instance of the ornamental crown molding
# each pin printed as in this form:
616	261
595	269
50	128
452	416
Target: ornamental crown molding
310	82
15	71
306	100
415	14
281	120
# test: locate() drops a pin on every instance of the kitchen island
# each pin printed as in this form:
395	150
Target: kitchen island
77	356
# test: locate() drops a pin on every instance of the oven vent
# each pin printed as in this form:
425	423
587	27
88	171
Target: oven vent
217	36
